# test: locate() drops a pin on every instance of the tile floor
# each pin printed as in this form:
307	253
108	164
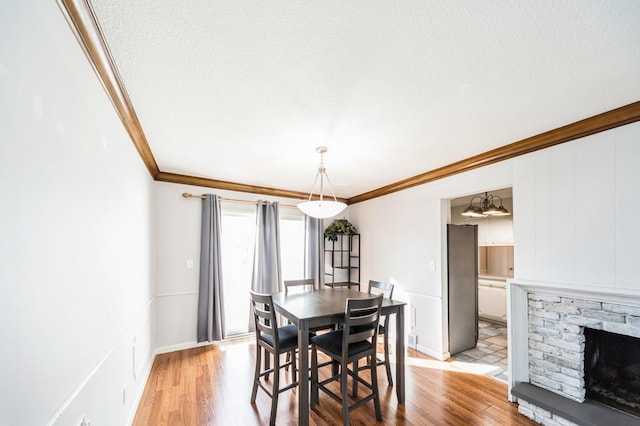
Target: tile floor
491	351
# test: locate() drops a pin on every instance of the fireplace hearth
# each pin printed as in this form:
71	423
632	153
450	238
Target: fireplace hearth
557	374
612	370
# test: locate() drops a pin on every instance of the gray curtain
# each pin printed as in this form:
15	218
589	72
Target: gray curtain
267	276
314	250
210	297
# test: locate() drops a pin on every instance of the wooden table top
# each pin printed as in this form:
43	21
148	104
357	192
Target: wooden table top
324	303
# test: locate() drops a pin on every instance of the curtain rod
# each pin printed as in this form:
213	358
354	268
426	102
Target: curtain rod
233	200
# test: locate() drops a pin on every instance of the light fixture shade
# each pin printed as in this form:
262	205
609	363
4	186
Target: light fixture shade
321	209
472	211
469	211
503	211
492	210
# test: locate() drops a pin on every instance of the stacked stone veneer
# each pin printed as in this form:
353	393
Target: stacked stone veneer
556	343
542	416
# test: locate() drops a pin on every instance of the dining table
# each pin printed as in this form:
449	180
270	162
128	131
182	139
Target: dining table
323	307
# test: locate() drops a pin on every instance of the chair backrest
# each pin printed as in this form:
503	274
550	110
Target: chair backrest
362	317
379	287
264	316
307	284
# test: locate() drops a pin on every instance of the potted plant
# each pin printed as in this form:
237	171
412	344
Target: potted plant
339	226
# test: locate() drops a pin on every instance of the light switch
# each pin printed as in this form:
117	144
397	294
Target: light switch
190	263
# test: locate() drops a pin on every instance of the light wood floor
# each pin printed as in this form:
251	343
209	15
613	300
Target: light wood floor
212	386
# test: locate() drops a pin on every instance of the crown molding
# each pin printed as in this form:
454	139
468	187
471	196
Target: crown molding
83	22
233	186
589	126
85	26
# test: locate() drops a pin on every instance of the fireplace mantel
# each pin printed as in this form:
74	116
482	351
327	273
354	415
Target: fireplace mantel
517	315
547	292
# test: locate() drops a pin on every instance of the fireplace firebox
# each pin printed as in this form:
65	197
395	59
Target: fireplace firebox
612	370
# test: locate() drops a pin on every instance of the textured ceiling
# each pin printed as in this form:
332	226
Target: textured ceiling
244	91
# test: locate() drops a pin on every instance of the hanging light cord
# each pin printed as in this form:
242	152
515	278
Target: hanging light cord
322	173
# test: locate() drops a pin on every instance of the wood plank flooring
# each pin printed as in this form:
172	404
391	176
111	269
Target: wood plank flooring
212	386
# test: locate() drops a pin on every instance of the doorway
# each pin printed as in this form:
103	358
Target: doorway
495	266
237	245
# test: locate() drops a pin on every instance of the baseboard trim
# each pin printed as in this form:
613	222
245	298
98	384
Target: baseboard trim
180	347
145	378
432	353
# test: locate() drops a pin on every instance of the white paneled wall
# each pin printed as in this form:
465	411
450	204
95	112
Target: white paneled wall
563	176
627	206
542	217
575	205
595	214
524	213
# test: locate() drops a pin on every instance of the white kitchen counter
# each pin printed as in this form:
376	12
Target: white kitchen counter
493	277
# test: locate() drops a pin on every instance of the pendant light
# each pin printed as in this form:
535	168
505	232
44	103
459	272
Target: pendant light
486	207
322	208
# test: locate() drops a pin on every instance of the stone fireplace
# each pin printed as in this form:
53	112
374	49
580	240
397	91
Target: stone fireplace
555	359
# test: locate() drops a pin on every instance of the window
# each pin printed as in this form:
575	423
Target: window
237	241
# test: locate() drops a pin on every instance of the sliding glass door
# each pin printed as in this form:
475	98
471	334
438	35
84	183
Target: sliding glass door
238	237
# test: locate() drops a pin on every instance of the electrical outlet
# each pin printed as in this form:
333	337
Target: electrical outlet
85	422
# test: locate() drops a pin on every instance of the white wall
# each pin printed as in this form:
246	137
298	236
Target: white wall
178	240
77	233
76	264
590	237
577	207
404	231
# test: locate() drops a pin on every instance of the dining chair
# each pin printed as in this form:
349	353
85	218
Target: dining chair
276	341
356	340
307	284
386	289
299	286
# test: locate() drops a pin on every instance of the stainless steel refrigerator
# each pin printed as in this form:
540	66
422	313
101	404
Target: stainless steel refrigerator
462	264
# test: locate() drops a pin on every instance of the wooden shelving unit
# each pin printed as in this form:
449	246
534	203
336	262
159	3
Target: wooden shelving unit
342	261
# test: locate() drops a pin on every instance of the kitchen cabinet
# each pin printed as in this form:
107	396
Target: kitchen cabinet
494	231
500	230
492	300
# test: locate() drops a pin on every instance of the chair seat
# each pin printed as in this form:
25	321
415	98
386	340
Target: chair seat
332	342
288	337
